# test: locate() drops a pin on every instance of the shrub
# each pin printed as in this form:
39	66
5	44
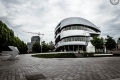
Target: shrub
90	54
85	54
60	55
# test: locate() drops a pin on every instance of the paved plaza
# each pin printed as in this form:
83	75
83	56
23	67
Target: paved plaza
92	68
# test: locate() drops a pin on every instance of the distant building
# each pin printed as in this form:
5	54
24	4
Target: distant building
33	40
29	45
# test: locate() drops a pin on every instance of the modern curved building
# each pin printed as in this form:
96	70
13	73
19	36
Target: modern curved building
75	33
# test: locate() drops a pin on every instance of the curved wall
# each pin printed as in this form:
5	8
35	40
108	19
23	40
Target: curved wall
74	31
71	43
76	20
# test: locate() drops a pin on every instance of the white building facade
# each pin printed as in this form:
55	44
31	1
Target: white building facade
74	33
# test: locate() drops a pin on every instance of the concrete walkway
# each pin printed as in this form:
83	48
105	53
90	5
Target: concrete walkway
93	68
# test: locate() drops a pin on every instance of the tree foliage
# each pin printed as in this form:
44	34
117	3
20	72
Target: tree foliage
110	43
97	42
7	38
118	40
36	47
51	46
45	47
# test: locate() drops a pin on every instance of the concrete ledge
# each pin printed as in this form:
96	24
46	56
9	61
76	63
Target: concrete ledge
113	51
103	54
116	54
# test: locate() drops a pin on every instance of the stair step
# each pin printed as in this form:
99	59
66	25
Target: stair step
78	55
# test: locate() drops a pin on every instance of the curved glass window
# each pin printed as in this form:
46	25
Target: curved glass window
77	28
76	39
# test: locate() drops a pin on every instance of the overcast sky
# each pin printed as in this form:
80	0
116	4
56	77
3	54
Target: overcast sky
44	15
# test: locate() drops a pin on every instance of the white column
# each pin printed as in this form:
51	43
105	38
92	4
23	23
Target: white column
64	49
105	49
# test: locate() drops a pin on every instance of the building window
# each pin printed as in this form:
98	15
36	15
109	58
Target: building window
77	28
75	39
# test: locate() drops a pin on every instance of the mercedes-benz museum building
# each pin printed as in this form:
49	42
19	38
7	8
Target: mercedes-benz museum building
75	33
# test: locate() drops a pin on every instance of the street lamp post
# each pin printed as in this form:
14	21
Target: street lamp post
41	42
104	45
85	40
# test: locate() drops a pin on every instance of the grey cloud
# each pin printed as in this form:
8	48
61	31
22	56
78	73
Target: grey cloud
111	26
43	16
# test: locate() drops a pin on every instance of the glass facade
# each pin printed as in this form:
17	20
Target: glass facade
35	39
77	28
75	39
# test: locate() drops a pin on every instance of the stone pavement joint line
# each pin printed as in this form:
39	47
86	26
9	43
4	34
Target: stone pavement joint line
93	68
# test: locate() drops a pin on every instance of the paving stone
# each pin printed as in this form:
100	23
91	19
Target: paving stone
116	79
93	68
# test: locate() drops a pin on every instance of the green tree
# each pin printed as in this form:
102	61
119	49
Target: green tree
7	38
97	42
118	40
36	47
51	45
45	47
110	43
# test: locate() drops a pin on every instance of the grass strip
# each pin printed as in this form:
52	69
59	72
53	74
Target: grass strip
58	55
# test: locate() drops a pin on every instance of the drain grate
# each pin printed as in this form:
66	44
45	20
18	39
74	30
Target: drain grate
35	77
